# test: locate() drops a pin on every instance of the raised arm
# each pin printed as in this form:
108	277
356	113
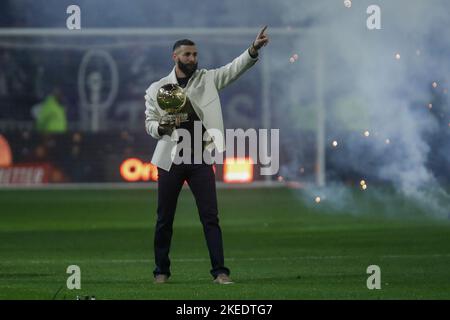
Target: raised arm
225	75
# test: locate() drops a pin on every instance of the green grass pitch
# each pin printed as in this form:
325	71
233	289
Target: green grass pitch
276	247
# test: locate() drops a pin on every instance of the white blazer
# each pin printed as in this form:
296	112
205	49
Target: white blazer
202	90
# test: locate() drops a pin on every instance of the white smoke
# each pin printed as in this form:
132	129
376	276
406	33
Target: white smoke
387	74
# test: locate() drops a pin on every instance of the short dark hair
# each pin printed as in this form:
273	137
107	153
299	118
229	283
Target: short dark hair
183	42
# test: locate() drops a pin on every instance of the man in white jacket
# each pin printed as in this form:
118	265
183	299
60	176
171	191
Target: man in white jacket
202	106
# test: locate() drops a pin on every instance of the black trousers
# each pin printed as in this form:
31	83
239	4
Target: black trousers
201	180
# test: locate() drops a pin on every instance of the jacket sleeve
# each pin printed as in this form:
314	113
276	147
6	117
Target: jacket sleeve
152	116
225	75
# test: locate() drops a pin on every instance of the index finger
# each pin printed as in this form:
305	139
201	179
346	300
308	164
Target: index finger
262	31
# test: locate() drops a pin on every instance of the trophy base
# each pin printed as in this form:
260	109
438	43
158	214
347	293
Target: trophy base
176	119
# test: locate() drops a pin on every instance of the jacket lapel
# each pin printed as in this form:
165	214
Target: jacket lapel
172	77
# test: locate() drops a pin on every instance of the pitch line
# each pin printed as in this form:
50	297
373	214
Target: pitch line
125	261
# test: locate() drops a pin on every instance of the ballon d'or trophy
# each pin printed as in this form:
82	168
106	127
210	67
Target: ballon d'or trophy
171	98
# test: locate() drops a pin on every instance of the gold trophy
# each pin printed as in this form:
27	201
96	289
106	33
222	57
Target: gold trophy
171	98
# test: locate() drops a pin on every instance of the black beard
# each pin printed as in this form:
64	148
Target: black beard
187	68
